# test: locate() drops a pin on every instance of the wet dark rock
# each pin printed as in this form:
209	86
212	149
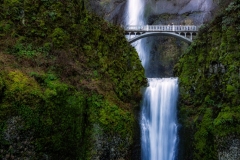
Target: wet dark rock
109	147
229	148
111	10
18	142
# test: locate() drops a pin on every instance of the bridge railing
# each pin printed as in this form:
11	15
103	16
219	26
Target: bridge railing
164	28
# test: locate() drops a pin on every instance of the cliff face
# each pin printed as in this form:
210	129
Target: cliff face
209	74
164	51
111	10
69	83
159	11
180	10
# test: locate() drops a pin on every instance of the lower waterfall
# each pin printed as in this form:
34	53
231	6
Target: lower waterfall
159	120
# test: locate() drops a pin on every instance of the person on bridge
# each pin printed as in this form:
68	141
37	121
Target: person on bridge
173	29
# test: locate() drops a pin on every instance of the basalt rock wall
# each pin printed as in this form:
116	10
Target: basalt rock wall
164	51
110	10
209	106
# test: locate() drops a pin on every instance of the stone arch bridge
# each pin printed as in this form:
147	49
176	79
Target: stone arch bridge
182	32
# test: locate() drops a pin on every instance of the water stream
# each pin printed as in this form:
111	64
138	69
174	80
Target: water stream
158	119
158	115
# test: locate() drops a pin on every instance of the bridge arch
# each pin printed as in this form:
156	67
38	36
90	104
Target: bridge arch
178	36
177	31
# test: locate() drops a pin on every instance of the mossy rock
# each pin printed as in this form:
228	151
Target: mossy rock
209	81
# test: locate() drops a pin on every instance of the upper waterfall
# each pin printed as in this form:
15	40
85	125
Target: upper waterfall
135	15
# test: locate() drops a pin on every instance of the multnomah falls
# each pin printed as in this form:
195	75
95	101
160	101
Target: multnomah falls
120	79
158	118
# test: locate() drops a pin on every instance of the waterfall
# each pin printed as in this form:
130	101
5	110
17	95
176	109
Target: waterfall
158	119
158	115
135	16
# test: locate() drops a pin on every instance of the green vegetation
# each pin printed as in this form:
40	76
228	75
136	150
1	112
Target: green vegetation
63	70
209	85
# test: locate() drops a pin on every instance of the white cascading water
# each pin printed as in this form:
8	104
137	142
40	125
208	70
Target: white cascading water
159	120
135	16
158	115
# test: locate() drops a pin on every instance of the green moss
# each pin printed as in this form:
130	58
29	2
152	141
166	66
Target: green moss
74	70
209	105
21	88
113	119
1	85
203	137
230	88
59	37
40	106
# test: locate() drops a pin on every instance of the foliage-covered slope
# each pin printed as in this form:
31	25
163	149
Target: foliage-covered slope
63	71
209	74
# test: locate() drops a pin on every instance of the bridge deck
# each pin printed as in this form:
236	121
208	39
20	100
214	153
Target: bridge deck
162	28
183	32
